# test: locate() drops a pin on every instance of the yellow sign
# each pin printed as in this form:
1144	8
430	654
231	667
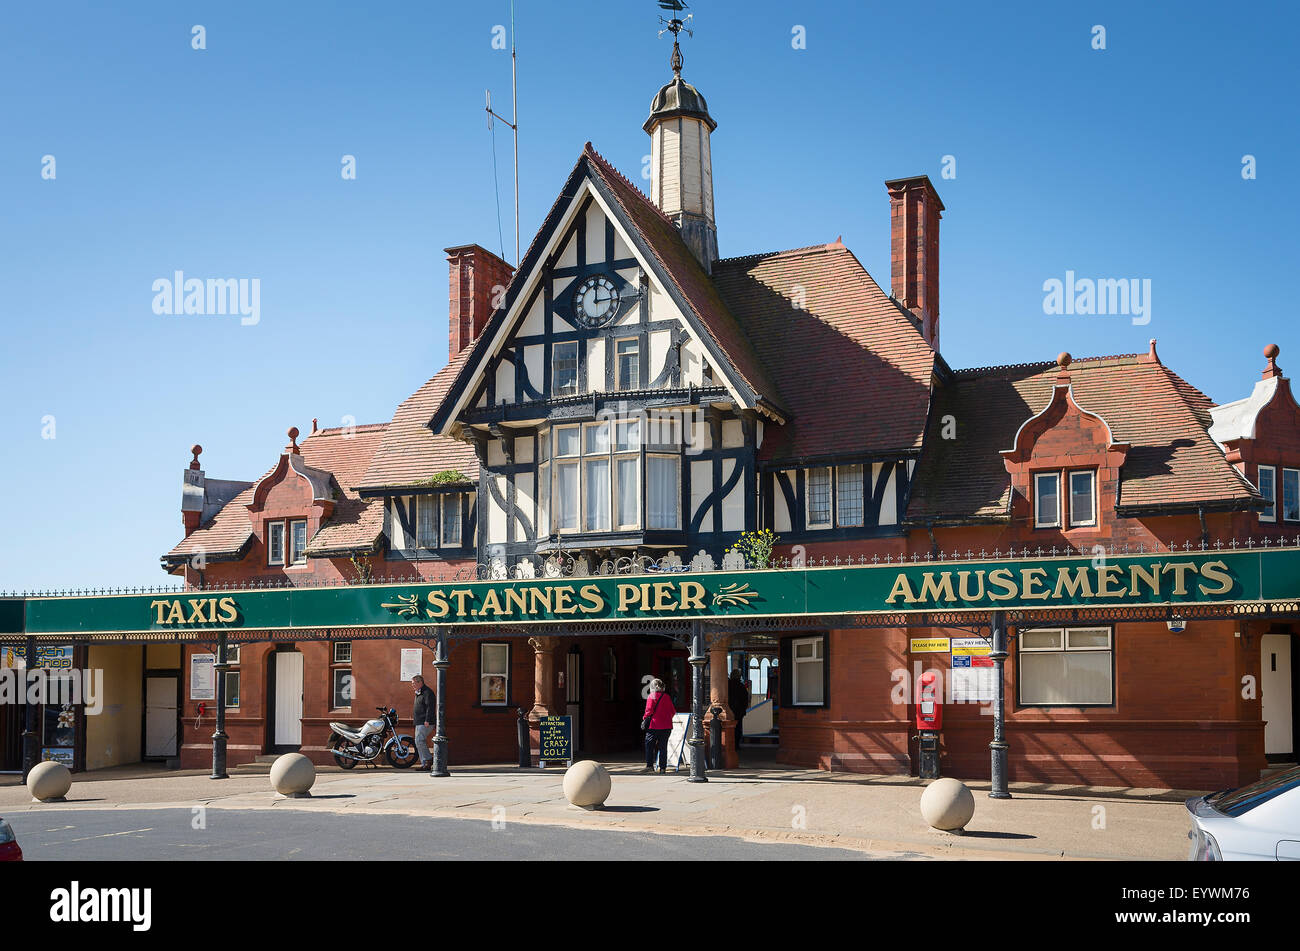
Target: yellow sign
929	645
971	647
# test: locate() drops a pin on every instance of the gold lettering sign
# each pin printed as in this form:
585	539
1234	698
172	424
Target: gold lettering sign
186	611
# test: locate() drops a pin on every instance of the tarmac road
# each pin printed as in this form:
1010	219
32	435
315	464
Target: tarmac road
168	834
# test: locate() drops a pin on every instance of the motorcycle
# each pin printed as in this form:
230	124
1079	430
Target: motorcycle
377	736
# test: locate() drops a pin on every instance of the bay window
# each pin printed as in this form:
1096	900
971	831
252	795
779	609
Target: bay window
592	478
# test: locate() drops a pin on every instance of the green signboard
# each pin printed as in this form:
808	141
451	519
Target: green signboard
1161	579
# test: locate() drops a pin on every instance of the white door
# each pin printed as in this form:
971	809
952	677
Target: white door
160	716
288	698
1275	693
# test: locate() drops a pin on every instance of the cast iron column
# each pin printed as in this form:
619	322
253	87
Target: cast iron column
219	735
697	661
31	746
998	748
440	664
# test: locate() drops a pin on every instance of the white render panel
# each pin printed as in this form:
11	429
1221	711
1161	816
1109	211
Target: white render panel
569	256
692	364
524	497
621	250
698	437
701	486
524	449
889	504
505	382
633	316
781	511
733	504
758	433
496	514
496	456
534	323
733	436
393	525
659	343
535	365
595	365
595	234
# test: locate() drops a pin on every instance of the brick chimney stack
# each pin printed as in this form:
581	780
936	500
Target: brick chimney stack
477	280
914	212
192	493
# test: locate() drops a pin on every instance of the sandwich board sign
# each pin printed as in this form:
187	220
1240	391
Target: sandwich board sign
555	744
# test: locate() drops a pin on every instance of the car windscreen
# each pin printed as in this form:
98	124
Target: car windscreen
1236	802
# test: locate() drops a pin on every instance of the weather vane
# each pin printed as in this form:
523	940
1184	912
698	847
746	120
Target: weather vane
675	26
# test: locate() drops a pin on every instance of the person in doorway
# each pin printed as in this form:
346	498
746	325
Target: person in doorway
658	725
738	700
425	716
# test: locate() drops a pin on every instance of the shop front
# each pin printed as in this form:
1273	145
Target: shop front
1157	669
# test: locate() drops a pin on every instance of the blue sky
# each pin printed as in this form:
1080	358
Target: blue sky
225	162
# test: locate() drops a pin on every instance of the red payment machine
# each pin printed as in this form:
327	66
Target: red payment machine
929	721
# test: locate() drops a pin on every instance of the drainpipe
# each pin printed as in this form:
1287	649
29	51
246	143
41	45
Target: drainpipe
934	545
440	664
1205	532
219	734
31	748
697	661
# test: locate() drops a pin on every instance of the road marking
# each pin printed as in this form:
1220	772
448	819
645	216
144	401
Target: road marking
109	835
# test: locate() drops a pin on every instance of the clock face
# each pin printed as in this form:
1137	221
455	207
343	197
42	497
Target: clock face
595	302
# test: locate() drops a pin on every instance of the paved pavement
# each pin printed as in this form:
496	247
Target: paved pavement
877	814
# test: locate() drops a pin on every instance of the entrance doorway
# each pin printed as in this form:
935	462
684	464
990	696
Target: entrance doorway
1277	698
573	693
285	700
161	712
672	668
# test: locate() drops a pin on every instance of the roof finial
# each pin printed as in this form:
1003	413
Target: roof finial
675	26
196	449
1063	361
1272	370
293	440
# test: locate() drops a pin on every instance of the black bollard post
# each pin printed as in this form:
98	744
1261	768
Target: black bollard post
219	737
715	739
521	735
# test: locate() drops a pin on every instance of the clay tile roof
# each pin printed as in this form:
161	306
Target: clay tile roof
410	453
665	242
853	368
343	453
1171	462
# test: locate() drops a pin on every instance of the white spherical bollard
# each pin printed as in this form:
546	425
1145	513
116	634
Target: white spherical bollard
292	775
49	782
587	784
947	805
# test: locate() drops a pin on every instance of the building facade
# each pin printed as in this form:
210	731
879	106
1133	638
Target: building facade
626	401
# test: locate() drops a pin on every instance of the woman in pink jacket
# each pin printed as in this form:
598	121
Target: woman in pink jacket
659	711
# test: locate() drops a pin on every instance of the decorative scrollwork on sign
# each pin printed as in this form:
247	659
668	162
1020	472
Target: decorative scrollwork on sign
735	593
407	605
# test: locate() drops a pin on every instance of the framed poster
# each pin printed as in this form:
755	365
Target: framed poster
203	676
412	662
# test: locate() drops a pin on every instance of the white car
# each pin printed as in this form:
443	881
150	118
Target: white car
1260	822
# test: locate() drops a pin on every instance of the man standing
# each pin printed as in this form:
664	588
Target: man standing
738	700
425	717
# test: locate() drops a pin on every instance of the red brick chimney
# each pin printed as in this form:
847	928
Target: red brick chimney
914	212
477	280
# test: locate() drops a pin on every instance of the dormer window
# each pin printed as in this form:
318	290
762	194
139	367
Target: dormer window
1083	501
1291	495
1047	500
298	542
1268	489
275	543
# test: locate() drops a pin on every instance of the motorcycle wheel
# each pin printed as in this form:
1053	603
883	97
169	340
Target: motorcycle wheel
395	757
343	761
